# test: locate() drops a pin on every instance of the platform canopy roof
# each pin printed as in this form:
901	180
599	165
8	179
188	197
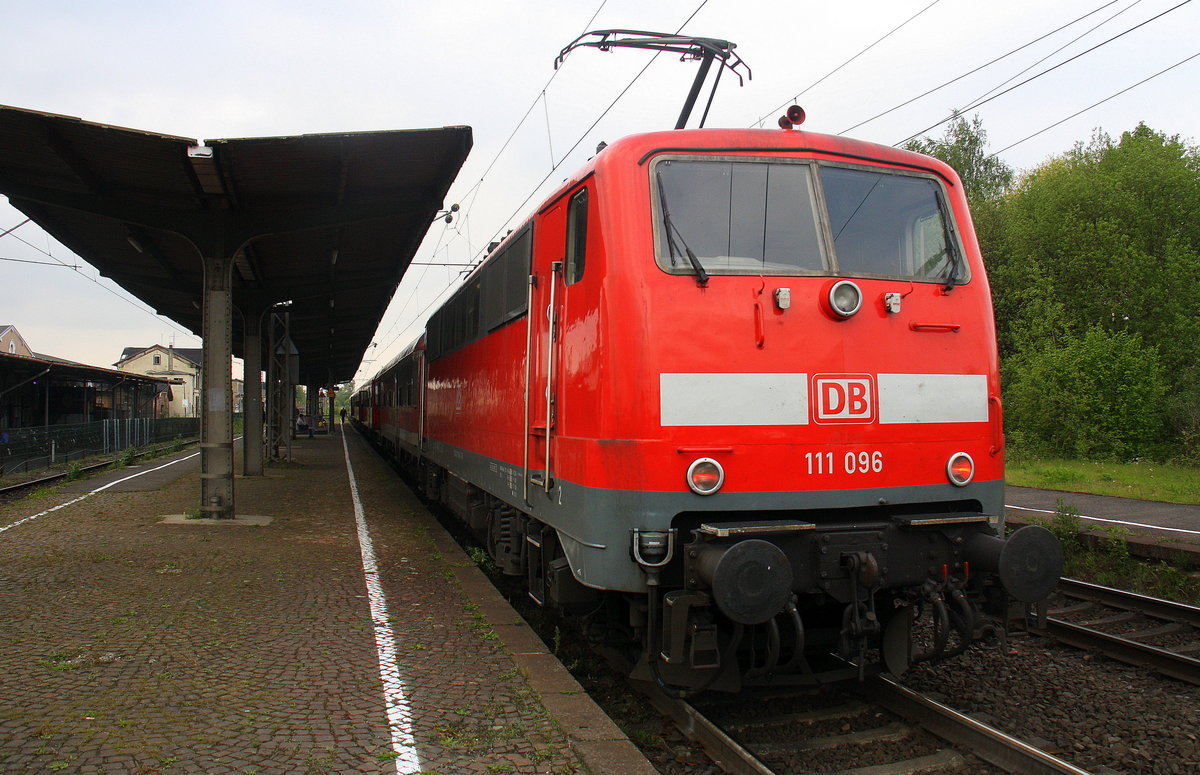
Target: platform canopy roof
329	222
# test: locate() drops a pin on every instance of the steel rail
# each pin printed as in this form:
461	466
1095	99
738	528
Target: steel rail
13	489
968	734
1169	663
1119	598
32	484
1123	649
988	743
724	750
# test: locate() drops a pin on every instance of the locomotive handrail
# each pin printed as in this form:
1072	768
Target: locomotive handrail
997	427
532	281
946	328
556	268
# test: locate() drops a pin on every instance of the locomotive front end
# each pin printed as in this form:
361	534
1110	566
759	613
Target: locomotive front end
830	451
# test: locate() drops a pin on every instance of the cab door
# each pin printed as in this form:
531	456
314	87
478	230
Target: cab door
545	308
558	258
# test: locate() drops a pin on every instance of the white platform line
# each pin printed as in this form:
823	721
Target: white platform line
93	492
398	712
1112	521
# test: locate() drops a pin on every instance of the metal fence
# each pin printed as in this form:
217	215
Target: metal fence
31	449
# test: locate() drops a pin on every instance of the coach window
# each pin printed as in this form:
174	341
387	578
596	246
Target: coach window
505	283
576	236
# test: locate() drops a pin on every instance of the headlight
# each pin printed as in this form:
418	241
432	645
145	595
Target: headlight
960	468
845	298
705	476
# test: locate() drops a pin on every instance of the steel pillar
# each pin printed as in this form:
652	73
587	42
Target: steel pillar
332	400
252	411
216	396
281	391
312	401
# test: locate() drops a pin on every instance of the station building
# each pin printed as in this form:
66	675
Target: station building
180	366
37	390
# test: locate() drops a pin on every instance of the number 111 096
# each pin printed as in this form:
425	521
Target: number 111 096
851	463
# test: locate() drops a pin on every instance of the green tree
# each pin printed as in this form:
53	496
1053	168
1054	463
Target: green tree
1105	238
964	147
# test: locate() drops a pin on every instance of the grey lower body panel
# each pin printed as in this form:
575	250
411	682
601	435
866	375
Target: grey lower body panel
595	525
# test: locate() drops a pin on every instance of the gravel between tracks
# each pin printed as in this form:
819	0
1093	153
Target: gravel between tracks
1092	711
1098	714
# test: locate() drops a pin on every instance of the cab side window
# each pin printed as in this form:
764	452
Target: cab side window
577	213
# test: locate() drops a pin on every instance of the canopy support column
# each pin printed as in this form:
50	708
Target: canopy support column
216	398
281	378
252	411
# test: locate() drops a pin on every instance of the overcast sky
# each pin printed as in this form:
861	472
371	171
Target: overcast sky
248	68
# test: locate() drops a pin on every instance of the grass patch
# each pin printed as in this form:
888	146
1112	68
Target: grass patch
60	662
484	561
1109	563
1143	479
639	736
127	458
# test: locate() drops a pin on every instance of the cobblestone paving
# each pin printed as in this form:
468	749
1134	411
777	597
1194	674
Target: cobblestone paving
127	646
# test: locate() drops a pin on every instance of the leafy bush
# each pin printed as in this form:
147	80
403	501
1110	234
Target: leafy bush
1098	396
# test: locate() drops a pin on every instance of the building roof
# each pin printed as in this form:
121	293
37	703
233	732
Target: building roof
329	222
63	361
193	354
82	370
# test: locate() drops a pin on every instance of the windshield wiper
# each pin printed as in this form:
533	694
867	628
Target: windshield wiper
951	273
956	259
673	249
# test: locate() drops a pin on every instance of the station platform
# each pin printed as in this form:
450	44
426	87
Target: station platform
1153	529
326	630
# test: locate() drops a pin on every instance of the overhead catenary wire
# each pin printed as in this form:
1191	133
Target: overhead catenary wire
58	264
1057	50
472	193
8	231
1095	104
971	72
806	89
78	270
1048	70
540	96
586	132
474	189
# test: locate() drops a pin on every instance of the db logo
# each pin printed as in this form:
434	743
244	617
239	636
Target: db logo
844	398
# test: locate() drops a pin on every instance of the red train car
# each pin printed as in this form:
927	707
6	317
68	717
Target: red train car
734	394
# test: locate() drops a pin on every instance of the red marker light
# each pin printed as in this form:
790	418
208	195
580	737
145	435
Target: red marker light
960	469
705	476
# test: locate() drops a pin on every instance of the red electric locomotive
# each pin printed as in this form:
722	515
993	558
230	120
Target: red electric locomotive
734	394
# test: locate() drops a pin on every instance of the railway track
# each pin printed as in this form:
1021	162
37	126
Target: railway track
876	728
21	489
1137	629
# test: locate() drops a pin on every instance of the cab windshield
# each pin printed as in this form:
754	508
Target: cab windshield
744	217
